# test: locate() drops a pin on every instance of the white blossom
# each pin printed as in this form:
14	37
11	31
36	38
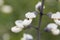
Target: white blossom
56	15
52	26
27	22
38	5
55	31
1	2
19	23
6	9
6	36
57	21
30	15
16	29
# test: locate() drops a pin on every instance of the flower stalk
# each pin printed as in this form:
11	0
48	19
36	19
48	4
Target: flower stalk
40	20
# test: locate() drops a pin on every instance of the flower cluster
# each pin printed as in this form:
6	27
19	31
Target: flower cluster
53	27
20	24
5	8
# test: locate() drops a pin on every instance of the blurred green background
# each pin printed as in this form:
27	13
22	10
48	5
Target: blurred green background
20	7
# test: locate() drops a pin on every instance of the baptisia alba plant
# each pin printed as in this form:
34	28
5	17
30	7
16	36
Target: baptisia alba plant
7	9
29	17
21	24
51	27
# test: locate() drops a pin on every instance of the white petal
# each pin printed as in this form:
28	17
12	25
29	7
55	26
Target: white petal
27	36
1	2
16	29
52	26
19	23
30	15
57	21
55	31
38	5
27	22
56	15
6	9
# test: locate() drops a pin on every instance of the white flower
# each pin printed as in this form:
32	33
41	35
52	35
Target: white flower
6	36
28	37
55	31
52	26
56	15
27	22
16	29
30	15
6	9
57	21
1	2
19	23
38	5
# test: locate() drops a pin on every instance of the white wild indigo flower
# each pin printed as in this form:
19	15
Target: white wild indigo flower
30	15
19	23
38	6
27	22
52	26
16	29
56	15
57	21
1	2
55	31
6	9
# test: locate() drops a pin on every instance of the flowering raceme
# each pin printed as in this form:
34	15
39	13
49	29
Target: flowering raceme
53	27
56	17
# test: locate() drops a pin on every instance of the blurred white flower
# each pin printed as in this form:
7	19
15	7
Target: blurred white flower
38	5
56	15
6	9
16	29
27	37
27	22
55	31
6	36
30	15
57	21
52	26
1	2
19	23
